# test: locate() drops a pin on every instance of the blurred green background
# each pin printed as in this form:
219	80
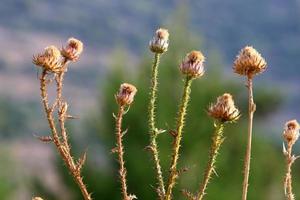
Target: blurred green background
116	35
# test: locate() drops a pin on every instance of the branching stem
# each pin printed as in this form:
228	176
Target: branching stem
61	147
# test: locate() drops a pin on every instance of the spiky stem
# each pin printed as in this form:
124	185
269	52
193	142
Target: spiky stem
251	110
217	141
120	151
63	151
153	130
176	146
61	117
288	189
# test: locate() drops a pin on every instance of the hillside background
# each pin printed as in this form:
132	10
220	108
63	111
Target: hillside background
116	35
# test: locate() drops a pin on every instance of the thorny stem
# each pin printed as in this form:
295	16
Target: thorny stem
61	116
288	177
64	152
120	151
217	141
176	146
153	130
251	110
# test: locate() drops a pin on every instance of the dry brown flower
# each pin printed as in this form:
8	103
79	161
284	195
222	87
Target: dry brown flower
160	42
291	132
249	62
224	109
192	65
73	49
50	60
126	94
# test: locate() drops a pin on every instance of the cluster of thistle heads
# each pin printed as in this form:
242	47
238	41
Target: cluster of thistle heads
53	59
248	63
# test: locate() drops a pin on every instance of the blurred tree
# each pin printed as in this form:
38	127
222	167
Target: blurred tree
15	118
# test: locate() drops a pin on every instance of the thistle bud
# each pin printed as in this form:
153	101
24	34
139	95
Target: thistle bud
73	49
249	62
50	60
126	94
192	65
291	132
160	41
64	108
224	109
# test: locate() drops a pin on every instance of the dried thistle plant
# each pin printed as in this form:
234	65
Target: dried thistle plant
54	63
290	136
249	63
223	111
192	68
124	98
158	45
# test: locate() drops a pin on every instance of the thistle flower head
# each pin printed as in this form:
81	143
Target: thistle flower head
291	132
72	50
126	94
192	65
50	60
249	62
224	109
160	41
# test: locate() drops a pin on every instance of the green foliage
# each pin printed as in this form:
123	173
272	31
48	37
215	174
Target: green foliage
15	118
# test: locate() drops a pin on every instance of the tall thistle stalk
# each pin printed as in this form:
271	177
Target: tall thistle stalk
54	62
158	45
192	67
249	63
124	98
223	111
290	135
217	141
251	110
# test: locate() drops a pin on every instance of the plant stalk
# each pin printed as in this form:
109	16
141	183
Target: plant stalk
65	154
176	146
152	126
288	178
61	118
120	151
217	141
251	110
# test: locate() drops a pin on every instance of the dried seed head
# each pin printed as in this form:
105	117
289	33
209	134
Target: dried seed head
192	65
249	62
125	96
224	109
73	49
37	198
160	41
291	132
50	60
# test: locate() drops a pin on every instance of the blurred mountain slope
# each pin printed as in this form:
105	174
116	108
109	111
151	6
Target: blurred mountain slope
271	26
